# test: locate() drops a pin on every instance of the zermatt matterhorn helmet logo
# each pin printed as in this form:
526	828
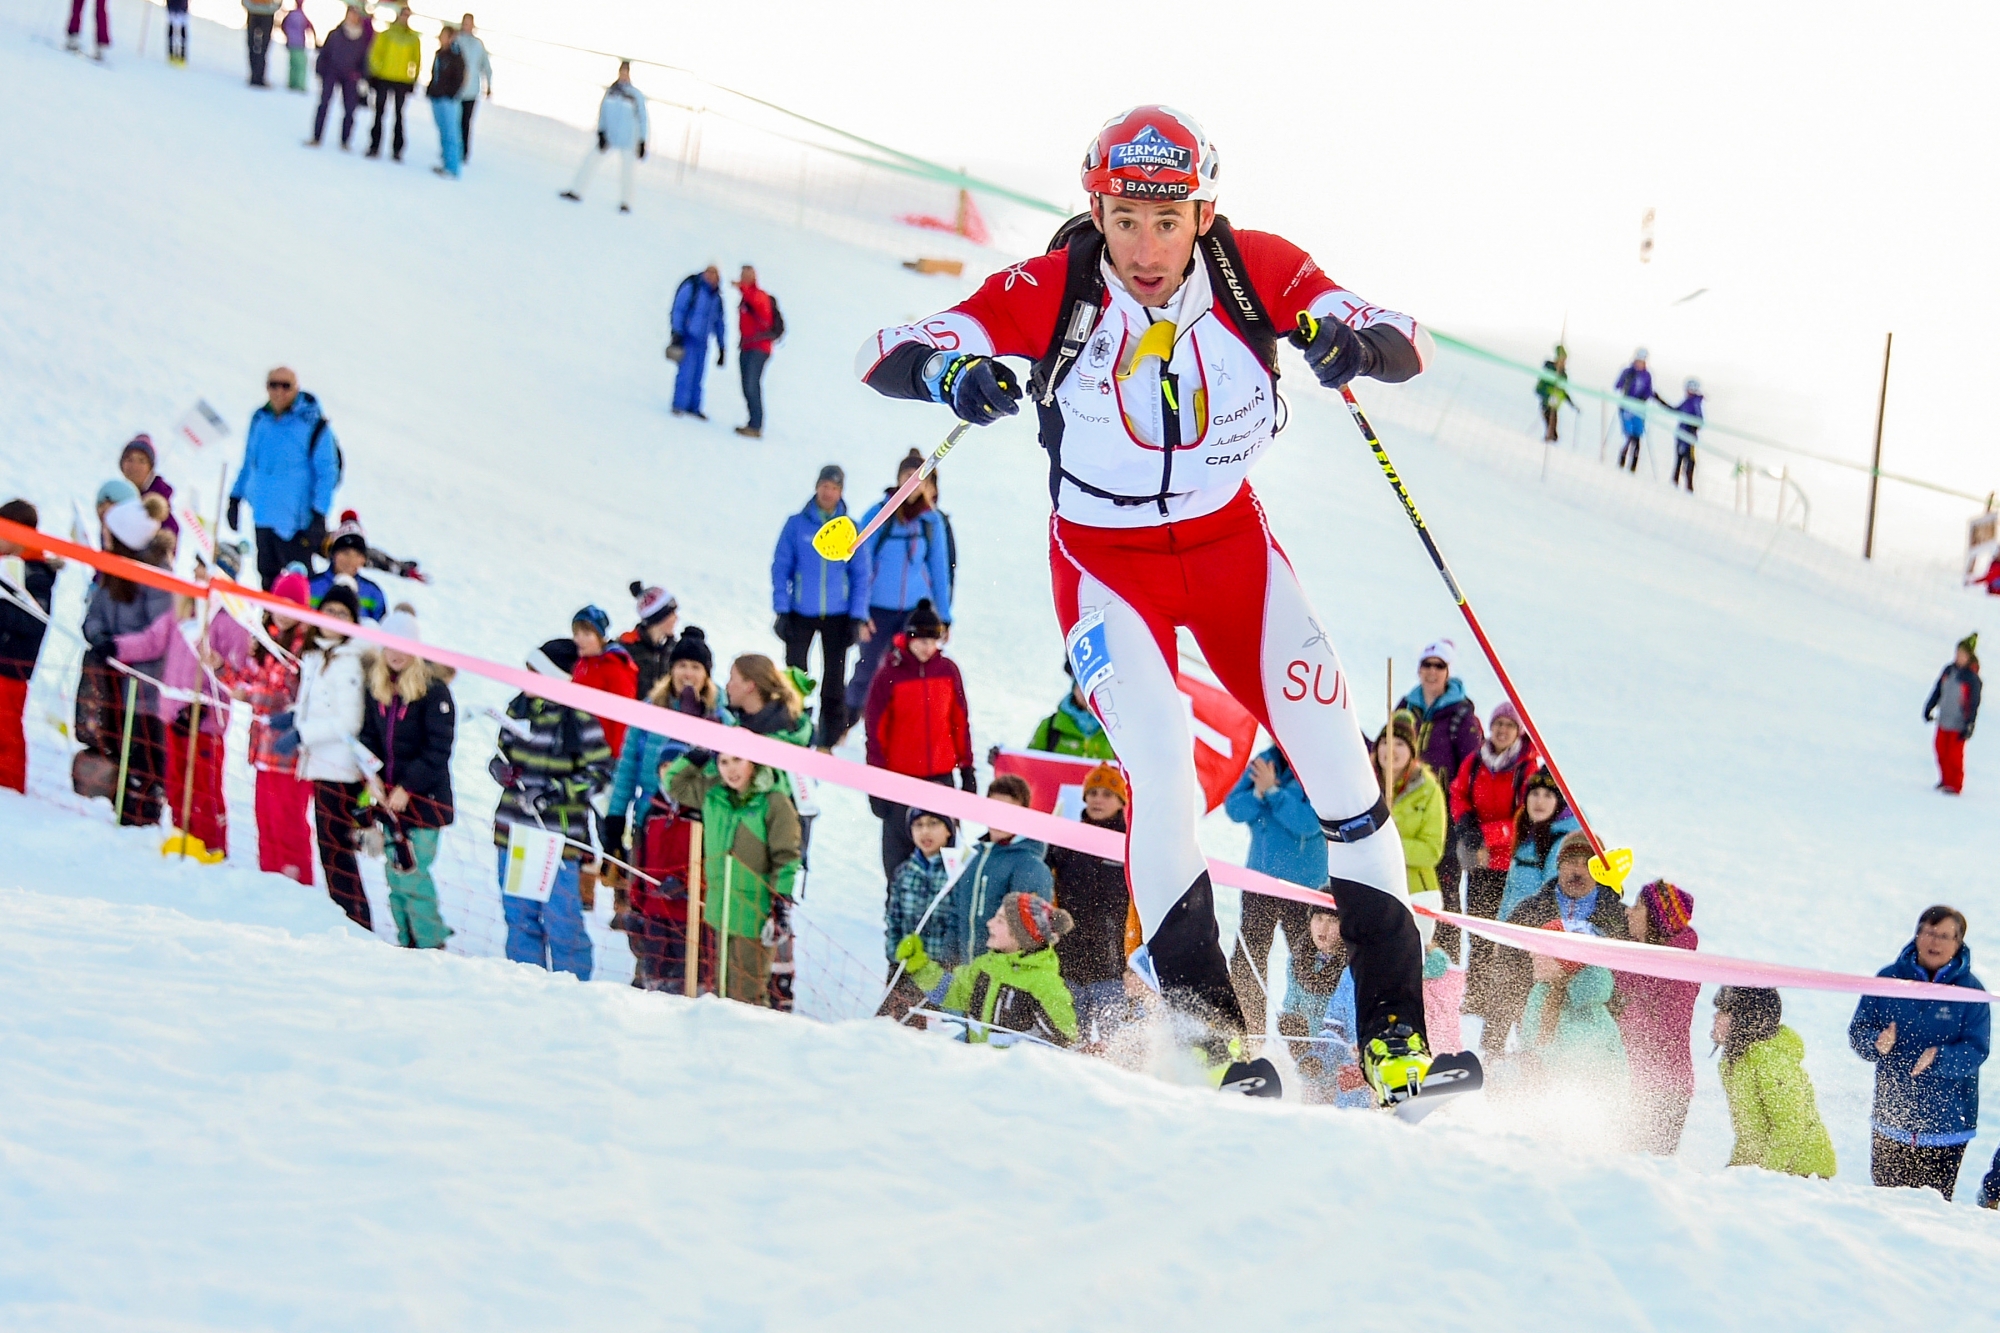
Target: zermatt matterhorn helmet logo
1151	152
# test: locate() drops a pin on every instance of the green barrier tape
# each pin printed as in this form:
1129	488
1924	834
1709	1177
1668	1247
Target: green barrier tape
1653	411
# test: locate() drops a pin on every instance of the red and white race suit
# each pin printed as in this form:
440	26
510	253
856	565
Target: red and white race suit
1173	436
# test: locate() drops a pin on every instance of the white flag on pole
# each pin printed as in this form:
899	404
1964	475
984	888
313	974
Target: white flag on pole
201	427
533	858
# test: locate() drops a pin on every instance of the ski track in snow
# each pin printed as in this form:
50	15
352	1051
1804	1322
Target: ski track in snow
225	1109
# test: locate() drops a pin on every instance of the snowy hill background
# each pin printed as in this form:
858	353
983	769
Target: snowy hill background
225	1109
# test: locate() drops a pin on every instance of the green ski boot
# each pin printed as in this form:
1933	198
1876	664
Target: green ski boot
1396	1063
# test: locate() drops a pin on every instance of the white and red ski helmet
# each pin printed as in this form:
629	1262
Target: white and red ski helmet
1153	153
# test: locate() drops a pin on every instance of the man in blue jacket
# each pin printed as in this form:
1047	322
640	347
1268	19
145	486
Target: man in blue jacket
1926	1056
697	317
816	596
291	466
909	561
1286	842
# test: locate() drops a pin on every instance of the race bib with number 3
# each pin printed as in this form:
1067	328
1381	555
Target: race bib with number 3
1089	652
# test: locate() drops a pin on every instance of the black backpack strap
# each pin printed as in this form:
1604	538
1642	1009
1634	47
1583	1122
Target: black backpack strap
1240	302
1082	303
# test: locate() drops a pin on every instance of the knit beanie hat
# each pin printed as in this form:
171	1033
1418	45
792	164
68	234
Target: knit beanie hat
116	491
141	443
1544	781
347	534
923	622
832	472
1404	724
692	646
1034	922
1576	847
655	603
1505	708
1444	650
1109	778
1669	907
556	658
130	523
293	588
910	824
593	618
402	624
1971	645
342	595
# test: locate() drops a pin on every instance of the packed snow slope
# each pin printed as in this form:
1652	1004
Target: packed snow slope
222	1107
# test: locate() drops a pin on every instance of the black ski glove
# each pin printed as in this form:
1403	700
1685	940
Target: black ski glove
978	389
699	759
968	779
783	626
235	513
316	535
1335	353
602	142
720	355
105	643
642	150
614	836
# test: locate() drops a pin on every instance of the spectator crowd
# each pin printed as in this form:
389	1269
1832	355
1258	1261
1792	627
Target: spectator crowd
1002	939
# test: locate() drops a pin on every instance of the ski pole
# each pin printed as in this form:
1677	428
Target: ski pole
922	921
1607	867
837	539
125	749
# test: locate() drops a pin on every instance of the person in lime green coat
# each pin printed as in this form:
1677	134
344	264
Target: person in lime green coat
1014	990
1072	728
1771	1101
750	853
1418	807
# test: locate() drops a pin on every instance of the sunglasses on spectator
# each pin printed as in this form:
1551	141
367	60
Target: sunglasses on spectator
279	384
1432	664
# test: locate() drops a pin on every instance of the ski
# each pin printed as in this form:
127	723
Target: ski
1252	1078
1450	1076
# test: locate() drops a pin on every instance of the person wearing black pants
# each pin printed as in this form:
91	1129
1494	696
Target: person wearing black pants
275	552
1263	916
836	636
257	26
334	826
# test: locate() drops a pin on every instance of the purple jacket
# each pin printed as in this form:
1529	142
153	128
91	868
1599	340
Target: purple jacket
1635	383
158	486
1448	730
180	669
1657	1025
342	57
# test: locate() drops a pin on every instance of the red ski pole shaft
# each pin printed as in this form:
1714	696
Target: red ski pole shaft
909	486
1471	616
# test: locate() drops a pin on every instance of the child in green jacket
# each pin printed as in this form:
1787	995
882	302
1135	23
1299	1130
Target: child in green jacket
750	854
1016	990
1771	1102
1568	1035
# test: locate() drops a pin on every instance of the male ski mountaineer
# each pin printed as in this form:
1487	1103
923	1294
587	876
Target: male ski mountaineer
1154	330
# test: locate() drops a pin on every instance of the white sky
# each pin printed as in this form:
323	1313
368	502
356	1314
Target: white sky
1825	171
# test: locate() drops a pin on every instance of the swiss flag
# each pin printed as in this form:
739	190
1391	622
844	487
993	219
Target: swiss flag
1224	737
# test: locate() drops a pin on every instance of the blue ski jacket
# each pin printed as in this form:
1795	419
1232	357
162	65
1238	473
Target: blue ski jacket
698	315
1285	836
366	591
1331	1021
1941	1105
912	561
1531	870
806	583
287	474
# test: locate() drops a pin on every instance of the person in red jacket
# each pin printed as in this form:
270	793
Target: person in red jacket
603	665
918	723
1153	328
1486	796
758	328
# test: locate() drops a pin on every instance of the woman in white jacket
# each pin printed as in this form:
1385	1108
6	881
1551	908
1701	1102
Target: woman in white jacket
327	718
623	126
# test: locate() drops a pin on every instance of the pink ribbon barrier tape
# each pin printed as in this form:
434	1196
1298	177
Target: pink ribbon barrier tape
1619	955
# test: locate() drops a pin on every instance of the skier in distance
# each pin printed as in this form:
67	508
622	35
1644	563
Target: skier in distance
1152	326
